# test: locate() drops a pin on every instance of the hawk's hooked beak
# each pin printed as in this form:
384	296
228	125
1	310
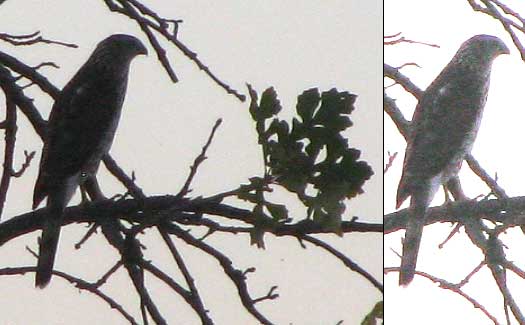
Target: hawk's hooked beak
504	49
142	50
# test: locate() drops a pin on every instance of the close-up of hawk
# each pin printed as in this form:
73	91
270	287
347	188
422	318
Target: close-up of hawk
444	127
81	128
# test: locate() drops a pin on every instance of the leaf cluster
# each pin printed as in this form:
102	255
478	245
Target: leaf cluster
311	158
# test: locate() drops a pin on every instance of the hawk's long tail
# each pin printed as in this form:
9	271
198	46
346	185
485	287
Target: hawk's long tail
414	230
48	244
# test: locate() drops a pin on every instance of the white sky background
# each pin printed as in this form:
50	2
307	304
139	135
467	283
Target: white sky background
448	24
291	46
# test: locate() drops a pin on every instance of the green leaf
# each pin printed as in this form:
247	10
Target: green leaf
307	102
254	107
269	105
278	211
376	314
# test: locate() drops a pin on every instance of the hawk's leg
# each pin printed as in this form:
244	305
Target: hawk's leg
453	186
84	196
92	189
473	227
447	194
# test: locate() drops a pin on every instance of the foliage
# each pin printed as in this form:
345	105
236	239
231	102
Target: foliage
375	315
311	158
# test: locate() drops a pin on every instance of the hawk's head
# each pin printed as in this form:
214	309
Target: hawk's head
117	50
481	49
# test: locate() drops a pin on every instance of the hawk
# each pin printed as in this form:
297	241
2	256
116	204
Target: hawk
445	124
81	128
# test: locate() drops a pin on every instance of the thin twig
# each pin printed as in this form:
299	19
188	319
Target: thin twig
91	231
27	162
31	39
235	275
196	163
29	73
194	299
391	158
452	287
271	295
78	283
122	177
346	261
402	39
104	278
161	53
162	29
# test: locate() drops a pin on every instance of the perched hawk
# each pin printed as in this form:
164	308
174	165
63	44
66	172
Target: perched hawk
445	124
81	129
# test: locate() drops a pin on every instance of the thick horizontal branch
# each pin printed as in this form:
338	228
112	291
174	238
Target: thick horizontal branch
131	210
509	211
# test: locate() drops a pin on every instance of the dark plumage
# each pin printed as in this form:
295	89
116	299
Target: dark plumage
81	129
445	124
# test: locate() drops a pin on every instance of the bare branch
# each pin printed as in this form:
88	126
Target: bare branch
193	298
510	212
103	279
485	177
16	94
31	39
236	276
29	73
78	283
10	139
91	231
391	159
161	27
346	261
452	287
271	295
196	163
401	79
46	64
27	162
161	53
128	182
401	39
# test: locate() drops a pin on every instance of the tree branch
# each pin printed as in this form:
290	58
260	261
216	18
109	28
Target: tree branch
161	27
236	276
510	212
346	261
78	283
9	150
